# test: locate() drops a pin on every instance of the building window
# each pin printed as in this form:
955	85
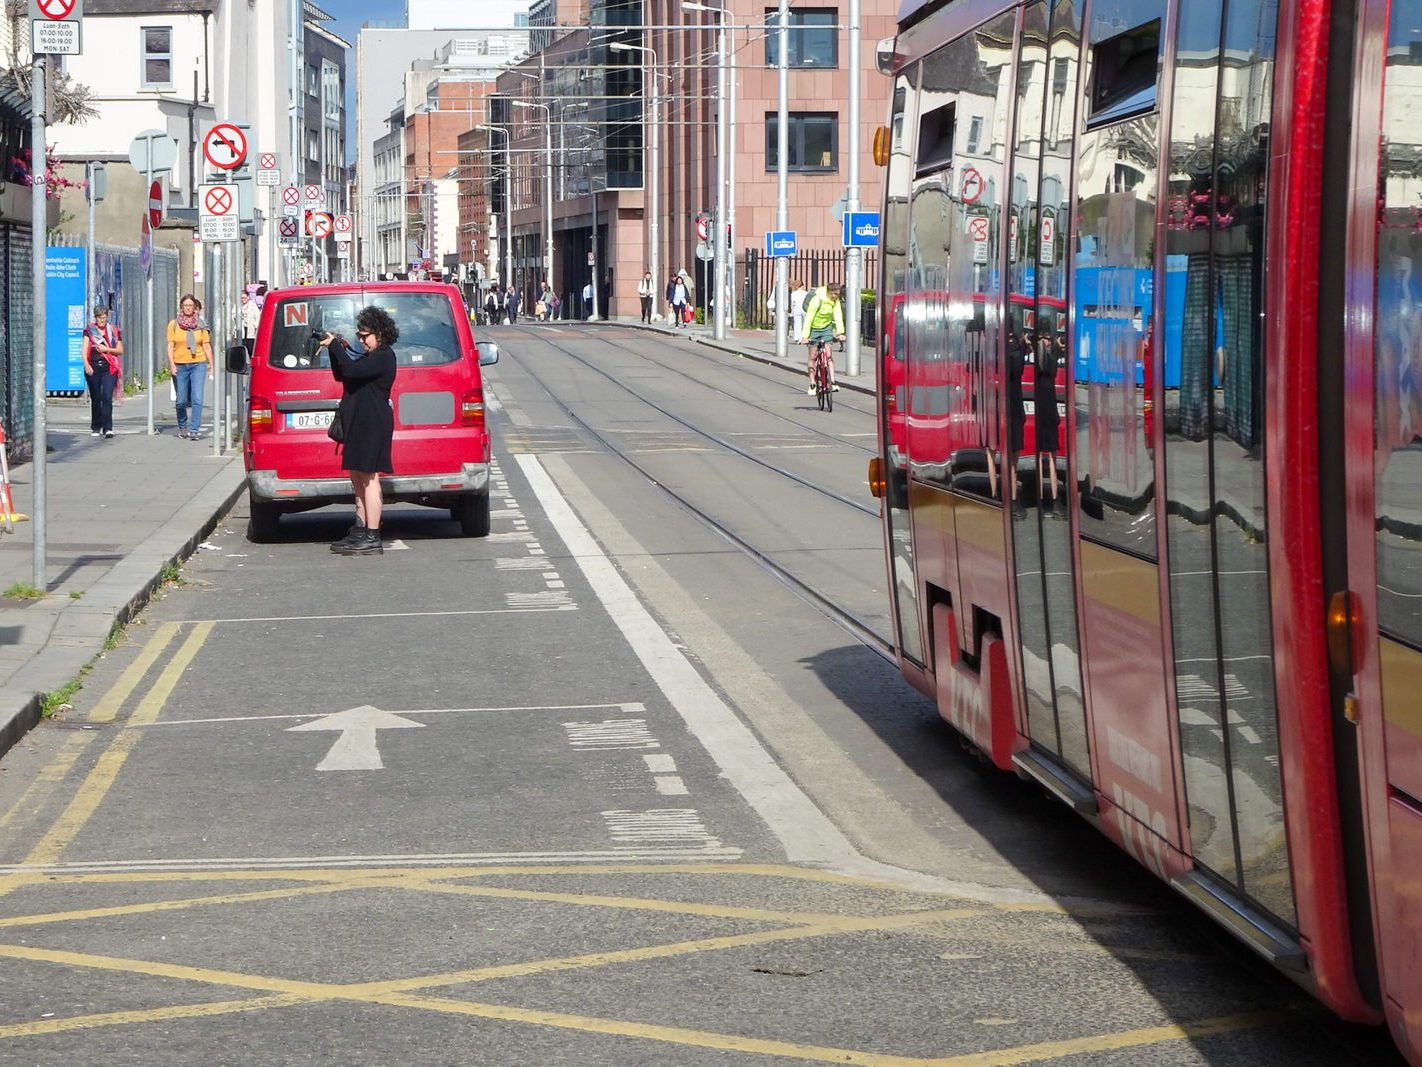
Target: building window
157	56
331	94
814	141
814	39
975	134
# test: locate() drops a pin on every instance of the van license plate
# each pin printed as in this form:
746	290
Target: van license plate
309	420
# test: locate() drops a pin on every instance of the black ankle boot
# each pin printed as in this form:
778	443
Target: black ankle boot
351	535
365	543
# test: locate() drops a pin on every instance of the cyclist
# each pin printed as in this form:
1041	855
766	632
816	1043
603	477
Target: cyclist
824	322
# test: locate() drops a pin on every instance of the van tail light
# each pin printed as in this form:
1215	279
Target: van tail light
259	415
471	408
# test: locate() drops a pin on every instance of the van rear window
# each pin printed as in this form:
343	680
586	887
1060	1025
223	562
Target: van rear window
428	335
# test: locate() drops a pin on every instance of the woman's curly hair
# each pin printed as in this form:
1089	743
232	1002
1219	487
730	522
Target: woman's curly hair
377	321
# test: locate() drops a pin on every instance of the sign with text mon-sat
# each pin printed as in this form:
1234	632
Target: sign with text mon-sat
218	218
55	27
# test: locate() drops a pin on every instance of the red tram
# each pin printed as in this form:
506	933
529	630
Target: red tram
1151	387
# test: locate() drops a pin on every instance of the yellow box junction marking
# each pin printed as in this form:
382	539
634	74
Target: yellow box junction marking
404	992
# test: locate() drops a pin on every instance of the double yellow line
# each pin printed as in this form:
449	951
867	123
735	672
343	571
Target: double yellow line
101	778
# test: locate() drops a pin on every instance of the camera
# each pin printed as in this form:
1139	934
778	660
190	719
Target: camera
317	335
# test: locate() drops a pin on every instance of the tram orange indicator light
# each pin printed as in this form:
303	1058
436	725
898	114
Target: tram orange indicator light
1342	625
881	146
876	478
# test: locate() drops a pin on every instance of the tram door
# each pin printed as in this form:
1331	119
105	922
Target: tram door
1384	459
1215	463
893	369
1036	370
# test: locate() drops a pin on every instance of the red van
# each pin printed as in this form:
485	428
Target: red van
441	447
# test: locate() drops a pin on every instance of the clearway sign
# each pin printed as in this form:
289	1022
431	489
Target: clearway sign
780	243
861	229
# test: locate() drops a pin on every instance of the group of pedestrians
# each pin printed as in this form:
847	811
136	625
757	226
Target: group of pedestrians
190	363
502	306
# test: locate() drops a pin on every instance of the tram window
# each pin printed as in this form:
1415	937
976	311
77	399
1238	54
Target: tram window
1123	74
935	139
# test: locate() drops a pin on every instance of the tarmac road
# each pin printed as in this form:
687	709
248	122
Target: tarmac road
598	788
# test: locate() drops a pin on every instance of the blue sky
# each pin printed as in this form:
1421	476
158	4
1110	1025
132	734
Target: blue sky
350	16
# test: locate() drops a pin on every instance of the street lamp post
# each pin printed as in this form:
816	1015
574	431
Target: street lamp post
548	182
654	229
718	236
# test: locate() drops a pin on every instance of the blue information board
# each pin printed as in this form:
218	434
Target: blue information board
64	318
861	229
781	243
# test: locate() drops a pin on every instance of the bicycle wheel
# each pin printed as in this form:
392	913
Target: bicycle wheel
821	393
829	391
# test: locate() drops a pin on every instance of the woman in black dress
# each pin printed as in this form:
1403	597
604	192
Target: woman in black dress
367	376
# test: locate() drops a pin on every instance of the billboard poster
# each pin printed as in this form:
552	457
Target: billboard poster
64	318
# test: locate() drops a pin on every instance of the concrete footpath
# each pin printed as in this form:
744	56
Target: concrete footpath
119	511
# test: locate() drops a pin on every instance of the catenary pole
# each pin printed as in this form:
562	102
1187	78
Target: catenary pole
854	257
730	235
718	230
39	159
782	184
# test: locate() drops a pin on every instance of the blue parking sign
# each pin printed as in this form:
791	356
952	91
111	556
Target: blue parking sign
861	229
780	243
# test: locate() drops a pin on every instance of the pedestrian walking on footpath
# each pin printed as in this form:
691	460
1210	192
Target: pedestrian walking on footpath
677	298
103	370
367	374
645	288
511	302
190	363
251	318
491	307
798	294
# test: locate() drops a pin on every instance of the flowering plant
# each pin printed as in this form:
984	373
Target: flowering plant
55	182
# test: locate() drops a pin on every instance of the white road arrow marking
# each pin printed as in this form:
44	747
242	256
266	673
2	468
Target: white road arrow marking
355	749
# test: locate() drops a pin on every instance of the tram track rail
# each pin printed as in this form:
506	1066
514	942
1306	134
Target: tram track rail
742	398
717	439
825	604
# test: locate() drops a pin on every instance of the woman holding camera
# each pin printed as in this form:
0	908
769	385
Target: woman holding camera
367	374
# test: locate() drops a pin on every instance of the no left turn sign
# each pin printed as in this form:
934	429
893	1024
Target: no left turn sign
225	146
972	185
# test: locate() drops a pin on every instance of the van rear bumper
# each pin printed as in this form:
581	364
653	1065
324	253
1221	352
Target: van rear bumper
470	478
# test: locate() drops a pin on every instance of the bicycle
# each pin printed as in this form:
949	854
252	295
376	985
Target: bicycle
823	374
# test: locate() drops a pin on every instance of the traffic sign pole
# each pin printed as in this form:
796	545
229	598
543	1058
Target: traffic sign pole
38	191
854	257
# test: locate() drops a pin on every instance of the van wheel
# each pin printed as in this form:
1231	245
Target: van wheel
472	514
262	522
